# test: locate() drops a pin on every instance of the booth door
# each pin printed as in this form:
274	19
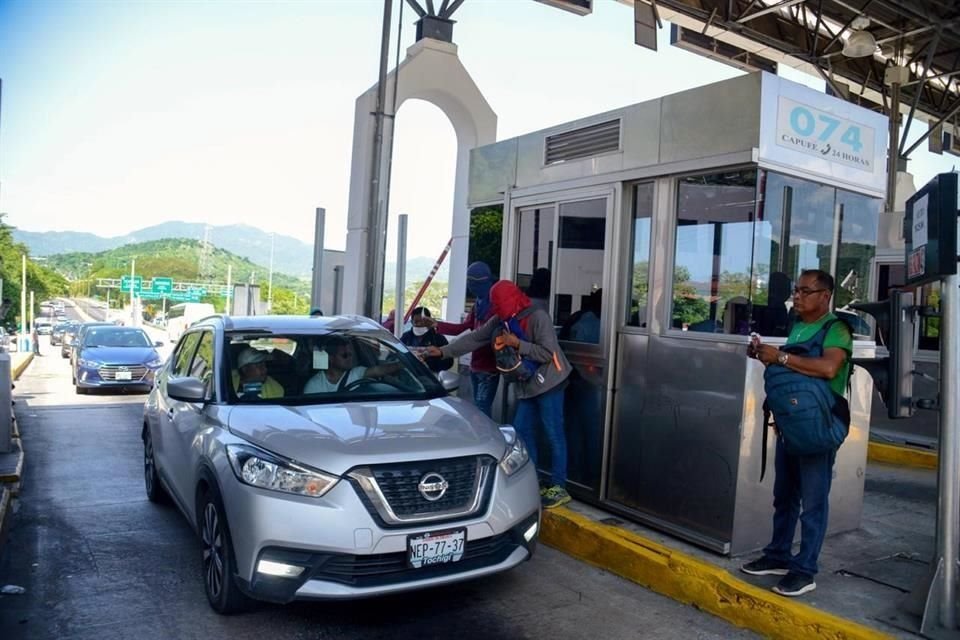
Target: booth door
561	253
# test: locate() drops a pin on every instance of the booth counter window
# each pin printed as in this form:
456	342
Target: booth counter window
737	257
640	267
712	271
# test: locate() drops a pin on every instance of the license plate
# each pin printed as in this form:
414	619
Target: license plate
438	547
123	375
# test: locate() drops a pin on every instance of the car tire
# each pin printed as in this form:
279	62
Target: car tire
80	390
151	478
217	559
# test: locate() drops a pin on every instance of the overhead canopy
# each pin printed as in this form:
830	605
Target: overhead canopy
922	35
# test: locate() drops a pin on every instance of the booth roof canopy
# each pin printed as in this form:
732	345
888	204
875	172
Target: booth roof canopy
919	33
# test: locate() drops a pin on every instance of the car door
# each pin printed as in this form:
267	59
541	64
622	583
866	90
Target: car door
188	418
166	449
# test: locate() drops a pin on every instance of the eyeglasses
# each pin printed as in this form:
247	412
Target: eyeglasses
806	291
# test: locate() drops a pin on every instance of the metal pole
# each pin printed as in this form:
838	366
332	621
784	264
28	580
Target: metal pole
337	288
398	315
270	279
377	237
317	288
948	509
31	311
23	306
229	287
892	153
133	286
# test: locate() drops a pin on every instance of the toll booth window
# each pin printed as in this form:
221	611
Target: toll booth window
579	270
640	270
712	279
804	225
535	254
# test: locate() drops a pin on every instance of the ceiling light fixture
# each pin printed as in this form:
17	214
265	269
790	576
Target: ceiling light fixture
861	42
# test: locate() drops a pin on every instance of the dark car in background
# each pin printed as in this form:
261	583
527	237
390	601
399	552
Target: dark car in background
56	336
116	358
67	337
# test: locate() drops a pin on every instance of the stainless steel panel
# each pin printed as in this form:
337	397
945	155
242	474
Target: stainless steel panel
676	434
493	169
719	118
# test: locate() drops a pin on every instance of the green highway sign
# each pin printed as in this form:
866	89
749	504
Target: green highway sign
162	285
137	283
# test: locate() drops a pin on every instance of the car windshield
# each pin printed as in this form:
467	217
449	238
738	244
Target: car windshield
115	337
324	367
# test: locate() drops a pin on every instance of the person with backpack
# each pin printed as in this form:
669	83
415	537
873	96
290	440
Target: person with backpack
529	356
812	417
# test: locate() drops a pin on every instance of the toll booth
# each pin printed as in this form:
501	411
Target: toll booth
668	231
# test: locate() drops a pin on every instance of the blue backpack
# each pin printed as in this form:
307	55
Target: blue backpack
809	416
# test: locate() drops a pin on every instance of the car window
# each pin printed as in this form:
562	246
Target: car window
328	366
202	366
184	354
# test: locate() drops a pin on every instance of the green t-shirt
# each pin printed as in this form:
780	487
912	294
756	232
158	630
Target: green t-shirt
838	337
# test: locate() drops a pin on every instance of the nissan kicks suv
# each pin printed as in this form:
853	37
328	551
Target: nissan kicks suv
318	458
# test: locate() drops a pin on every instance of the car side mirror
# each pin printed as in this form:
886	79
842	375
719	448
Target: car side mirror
158	343
186	389
449	380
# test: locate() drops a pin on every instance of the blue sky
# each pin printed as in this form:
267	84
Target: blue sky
117	115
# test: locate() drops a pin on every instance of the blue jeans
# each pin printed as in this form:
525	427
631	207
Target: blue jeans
548	408
801	481
484	390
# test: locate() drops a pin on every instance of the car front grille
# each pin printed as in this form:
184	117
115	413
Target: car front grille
108	372
391	568
392	494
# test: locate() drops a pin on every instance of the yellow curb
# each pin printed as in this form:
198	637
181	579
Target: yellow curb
19	369
902	456
691	581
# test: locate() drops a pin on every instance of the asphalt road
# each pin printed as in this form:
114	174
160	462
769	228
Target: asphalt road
100	561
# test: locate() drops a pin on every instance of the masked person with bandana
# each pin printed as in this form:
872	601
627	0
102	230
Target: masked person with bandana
516	323
483	365
424	335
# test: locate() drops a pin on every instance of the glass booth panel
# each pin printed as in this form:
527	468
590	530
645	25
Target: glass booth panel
711	277
640	256
858	219
535	253
578	297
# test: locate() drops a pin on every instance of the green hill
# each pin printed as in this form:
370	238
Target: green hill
179	259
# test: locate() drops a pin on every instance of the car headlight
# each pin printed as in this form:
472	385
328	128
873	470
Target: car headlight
516	454
156	363
88	364
258	468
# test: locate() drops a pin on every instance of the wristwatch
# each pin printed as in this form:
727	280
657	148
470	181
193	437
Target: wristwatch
783	358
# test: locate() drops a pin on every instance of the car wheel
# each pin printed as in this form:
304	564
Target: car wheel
219	580
151	479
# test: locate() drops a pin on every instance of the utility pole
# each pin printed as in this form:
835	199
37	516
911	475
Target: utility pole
133	286
229	287
270	278
23	304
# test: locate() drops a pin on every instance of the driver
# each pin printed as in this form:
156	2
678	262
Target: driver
341	372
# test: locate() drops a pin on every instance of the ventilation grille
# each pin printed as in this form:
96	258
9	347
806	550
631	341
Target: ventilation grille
583	143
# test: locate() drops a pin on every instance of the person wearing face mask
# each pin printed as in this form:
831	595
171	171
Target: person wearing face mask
484	377
423	334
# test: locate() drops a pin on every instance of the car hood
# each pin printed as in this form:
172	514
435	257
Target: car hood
338	437
120	355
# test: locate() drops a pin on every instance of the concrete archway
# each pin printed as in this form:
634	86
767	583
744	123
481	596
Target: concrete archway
431	71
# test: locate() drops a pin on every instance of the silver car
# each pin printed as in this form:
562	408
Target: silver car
318	458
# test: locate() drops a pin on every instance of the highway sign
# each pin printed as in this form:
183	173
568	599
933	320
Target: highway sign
125	283
162	285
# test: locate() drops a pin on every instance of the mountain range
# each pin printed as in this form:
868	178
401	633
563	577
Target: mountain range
290	255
